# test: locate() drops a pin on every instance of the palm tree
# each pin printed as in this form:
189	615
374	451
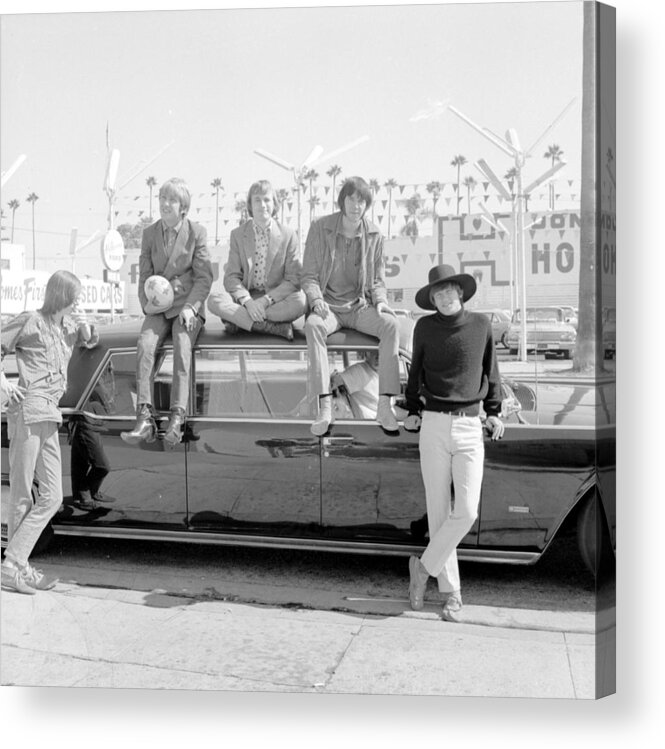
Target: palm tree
510	176
241	210
413	208
313	201
151	182
216	185
311	175
374	186
282	196
390	184
434	189
555	153
334	172
458	161
470	184
13	204
33	198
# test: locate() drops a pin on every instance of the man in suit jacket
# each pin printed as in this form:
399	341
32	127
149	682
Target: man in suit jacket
262	279
176	248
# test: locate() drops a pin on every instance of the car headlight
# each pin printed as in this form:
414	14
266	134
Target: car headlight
568	337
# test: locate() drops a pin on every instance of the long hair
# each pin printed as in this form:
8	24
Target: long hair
62	289
262	187
352	185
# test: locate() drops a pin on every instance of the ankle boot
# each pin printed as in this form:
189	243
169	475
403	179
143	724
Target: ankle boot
145	428
283	329
173	433
322	423
386	416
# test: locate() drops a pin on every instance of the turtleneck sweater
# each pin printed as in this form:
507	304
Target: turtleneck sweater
454	365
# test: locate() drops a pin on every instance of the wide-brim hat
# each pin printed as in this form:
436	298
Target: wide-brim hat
441	273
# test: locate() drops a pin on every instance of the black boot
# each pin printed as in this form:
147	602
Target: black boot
145	428
283	329
173	432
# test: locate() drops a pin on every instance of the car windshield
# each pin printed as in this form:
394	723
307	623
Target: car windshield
541	314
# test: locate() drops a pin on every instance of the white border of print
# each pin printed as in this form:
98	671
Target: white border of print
105	717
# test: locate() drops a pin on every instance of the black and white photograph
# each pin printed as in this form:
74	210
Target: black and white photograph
309	362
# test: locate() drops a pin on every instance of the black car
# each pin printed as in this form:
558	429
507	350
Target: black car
249	471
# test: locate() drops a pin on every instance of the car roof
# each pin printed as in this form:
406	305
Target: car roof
124	335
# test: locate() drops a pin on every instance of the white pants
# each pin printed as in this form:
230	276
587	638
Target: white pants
451	451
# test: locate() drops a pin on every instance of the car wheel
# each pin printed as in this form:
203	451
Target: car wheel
593	538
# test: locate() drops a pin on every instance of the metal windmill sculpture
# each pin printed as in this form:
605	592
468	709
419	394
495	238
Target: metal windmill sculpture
316	156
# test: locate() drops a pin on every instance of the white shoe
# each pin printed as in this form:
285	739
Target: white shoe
14	578
452	607
322	423
386	416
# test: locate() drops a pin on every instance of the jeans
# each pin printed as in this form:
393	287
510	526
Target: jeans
451	450
153	334
34	452
366	320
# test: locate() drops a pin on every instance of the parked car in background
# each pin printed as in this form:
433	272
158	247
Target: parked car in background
570	315
249	471
546	331
500	320
609	332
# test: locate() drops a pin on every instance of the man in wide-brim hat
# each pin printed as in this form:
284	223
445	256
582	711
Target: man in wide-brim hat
453	371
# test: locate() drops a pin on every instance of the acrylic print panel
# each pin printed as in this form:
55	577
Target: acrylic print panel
486	135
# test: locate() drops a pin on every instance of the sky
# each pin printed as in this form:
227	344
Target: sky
200	90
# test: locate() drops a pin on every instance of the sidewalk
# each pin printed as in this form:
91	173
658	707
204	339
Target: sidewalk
96	629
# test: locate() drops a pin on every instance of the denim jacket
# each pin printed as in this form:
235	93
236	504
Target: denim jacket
43	350
320	254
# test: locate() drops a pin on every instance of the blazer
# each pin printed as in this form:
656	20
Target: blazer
283	264
189	263
320	256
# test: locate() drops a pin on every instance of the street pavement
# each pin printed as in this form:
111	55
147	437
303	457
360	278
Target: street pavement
101	628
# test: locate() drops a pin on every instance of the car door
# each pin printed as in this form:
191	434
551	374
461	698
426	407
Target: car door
253	467
544	463
371	484
146	482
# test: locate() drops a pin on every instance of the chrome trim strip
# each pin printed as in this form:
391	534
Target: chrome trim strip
308	544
